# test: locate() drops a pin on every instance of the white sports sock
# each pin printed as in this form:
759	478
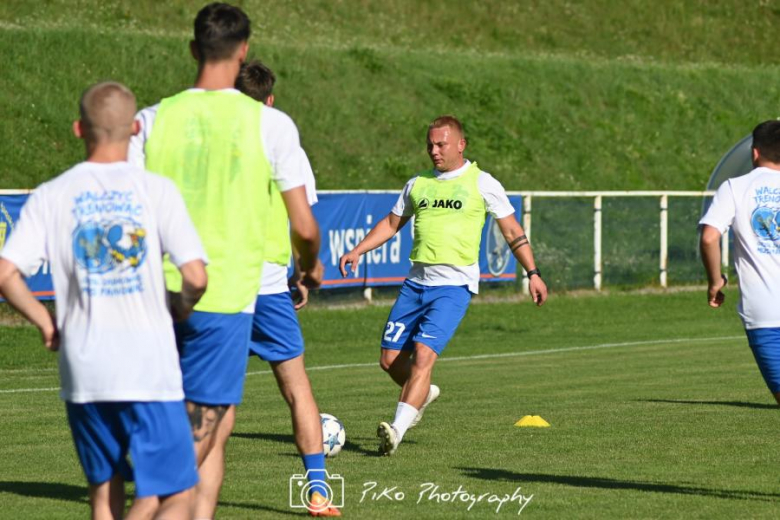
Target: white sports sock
404	415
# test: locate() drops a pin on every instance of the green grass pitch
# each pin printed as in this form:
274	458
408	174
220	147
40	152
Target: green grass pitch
656	406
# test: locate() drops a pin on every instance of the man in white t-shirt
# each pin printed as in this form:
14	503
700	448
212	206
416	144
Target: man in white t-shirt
750	206
223	150
449	205
104	226
276	334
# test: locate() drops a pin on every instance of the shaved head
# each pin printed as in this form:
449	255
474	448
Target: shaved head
107	112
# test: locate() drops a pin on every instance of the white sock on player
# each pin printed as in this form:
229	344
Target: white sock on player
404	415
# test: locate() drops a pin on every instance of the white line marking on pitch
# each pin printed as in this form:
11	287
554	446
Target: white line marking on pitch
471	358
28	390
527	352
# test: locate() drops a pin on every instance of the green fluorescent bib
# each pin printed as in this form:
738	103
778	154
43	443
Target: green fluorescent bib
448	218
209	144
278	249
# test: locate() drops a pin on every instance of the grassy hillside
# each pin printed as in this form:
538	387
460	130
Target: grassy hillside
726	31
554	96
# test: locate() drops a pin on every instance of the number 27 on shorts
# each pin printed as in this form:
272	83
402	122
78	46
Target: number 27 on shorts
394	327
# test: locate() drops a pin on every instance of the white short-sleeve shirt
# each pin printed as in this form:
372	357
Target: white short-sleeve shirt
497	204
274	279
750	206
104	229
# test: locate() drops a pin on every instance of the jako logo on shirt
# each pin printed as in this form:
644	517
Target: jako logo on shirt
442	203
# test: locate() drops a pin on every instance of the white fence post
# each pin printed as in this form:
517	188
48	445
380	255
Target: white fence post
597	242
664	238
527	228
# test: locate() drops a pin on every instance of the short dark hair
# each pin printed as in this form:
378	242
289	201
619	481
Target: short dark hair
256	80
766	139
219	30
450	121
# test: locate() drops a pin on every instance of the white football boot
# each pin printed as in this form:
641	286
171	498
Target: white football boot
433	394
388	439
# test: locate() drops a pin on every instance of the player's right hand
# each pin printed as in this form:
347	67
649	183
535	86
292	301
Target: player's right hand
352	258
179	310
51	337
715	296
313	277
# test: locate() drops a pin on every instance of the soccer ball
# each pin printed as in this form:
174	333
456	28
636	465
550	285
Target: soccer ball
333	435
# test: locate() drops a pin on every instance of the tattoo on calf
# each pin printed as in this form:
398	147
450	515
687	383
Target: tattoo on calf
519	242
204	419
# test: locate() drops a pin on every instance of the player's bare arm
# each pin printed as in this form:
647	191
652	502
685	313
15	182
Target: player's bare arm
710	256
193	286
305	236
16	292
384	230
521	249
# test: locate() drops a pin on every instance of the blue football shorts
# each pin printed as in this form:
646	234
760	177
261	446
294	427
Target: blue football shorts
213	350
765	344
276	334
156	435
425	314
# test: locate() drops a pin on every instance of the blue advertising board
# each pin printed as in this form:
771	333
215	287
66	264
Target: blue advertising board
10	207
345	218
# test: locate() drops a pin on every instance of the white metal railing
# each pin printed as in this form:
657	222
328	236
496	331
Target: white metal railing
598	197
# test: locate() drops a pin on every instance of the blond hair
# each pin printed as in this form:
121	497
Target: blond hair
449	121
107	112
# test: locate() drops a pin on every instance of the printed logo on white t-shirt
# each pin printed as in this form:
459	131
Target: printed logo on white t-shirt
765	220
109	242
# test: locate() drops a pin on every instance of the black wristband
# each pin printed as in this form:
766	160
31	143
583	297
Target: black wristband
532	272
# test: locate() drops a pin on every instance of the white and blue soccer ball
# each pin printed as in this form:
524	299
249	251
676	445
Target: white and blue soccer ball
333	435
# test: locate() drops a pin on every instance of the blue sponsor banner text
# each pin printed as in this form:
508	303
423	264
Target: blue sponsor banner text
346	218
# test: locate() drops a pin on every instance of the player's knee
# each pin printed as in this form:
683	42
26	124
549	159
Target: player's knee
424	358
178	506
387	359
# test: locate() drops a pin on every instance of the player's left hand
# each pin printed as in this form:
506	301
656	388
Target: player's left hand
300	294
715	296
538	290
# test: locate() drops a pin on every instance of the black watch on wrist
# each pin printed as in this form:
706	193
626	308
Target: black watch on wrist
532	272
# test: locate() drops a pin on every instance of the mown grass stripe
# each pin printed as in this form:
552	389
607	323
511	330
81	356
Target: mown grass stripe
472	358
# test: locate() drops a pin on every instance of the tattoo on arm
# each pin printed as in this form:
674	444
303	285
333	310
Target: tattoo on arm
204	419
519	242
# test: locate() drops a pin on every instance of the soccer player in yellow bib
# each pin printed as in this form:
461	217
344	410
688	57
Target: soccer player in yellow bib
449	205
224	150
